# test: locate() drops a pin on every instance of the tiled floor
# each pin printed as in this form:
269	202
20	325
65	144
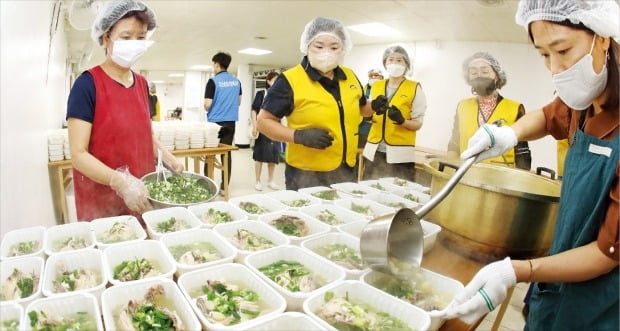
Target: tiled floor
242	183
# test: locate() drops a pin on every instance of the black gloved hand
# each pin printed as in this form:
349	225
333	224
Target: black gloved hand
313	138
380	105
395	115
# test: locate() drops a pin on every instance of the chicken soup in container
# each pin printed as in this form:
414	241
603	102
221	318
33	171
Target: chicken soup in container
21	279
217	212
23	242
250	236
256	205
295	225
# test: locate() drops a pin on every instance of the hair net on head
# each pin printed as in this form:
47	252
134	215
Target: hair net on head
113	12
599	16
396	49
375	71
320	26
492	61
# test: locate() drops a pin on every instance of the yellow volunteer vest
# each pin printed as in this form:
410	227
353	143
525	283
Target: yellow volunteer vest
467	112
562	146
315	107
382	127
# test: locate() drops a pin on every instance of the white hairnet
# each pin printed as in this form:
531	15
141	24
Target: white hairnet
492	61
320	26
397	49
113	12
599	16
375	71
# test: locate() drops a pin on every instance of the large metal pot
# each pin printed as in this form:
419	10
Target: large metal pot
495	211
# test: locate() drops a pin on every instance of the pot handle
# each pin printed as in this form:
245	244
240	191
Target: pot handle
540	170
442	165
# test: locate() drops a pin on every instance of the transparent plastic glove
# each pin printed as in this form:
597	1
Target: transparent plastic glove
484	292
490	141
171	163
130	189
313	138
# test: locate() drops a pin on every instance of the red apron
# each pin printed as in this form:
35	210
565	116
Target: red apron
120	135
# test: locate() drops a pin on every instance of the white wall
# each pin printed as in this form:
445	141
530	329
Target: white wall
437	66
33	93
170	96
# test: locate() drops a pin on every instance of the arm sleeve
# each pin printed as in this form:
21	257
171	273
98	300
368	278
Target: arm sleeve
418	106
558	117
279	100
210	89
608	234
81	101
258	101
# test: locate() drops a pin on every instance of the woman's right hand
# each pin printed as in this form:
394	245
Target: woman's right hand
131	190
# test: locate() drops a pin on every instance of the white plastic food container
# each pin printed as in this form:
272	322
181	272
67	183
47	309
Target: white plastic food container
153	217
397	184
316	243
66	305
101	225
355	189
393	201
152	250
28	265
286	322
355	228
309	191
444	286
229	230
225	249
115	297
237	274
288	197
222	206
314	226
342	214
360	293
89	259
61	233
327	271
374	183
269	204
11	311
13	238
431	230
377	209
413	195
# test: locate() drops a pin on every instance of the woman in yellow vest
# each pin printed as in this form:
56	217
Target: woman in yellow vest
399	105
484	74
323	104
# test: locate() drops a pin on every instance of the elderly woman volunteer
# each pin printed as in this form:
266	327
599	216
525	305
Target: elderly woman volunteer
485	75
576	286
399	105
323	104
110	135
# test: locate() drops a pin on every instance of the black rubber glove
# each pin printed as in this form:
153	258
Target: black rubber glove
380	105
313	138
395	115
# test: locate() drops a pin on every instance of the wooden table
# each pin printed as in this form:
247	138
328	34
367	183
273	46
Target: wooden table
59	172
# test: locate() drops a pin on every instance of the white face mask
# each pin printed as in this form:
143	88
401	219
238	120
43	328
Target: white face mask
578	85
395	70
323	61
372	81
126	52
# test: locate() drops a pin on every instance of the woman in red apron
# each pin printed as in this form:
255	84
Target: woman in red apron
110	135
576	286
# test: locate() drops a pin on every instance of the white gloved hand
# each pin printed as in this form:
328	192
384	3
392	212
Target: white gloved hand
490	141
130	189
484	292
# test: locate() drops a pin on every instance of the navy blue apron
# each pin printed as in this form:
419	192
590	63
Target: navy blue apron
591	305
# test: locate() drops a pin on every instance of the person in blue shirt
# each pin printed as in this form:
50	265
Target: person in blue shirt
222	99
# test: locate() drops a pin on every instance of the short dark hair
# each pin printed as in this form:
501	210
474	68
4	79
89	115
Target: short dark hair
223	59
270	76
613	79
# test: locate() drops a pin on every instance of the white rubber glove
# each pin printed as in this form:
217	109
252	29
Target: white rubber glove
490	141
130	189
484	292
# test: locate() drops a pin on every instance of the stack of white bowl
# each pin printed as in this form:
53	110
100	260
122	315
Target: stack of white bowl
181	137
56	145
66	148
212	135
166	137
197	136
